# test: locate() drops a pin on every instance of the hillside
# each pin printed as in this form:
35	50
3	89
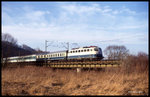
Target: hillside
9	49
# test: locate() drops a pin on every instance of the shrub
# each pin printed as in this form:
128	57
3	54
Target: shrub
138	63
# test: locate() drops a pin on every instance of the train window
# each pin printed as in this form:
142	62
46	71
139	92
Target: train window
70	51
87	49
78	50
81	50
73	51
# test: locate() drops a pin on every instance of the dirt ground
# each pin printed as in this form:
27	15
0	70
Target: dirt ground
32	80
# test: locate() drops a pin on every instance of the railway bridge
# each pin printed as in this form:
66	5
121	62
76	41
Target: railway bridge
84	64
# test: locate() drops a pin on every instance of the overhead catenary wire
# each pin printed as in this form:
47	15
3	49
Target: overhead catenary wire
76	44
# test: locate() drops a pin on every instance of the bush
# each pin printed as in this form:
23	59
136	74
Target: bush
137	63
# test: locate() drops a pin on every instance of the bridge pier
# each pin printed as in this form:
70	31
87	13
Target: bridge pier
78	70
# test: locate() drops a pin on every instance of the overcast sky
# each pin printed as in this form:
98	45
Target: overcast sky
79	23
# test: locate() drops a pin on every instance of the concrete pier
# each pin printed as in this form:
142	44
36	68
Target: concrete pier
78	70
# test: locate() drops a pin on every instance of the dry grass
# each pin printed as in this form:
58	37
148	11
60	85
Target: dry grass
32	80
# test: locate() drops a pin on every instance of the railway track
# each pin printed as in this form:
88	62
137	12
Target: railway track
84	64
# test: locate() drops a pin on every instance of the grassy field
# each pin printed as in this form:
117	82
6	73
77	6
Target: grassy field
32	80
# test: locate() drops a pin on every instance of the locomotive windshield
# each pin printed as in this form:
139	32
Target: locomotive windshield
95	49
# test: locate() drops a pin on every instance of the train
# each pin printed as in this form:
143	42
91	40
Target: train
82	53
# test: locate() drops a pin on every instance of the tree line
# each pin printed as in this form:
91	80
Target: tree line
11	48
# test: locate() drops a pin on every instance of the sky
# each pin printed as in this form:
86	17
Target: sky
79	23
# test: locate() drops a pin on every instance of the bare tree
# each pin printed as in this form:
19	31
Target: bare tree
116	52
26	47
136	63
38	50
7	37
